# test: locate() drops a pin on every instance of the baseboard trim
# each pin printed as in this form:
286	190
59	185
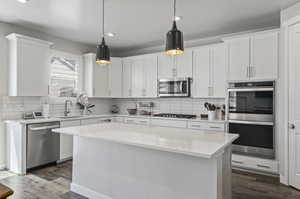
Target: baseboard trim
63	160
87	192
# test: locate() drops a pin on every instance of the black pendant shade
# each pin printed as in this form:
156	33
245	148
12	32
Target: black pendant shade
103	54
174	43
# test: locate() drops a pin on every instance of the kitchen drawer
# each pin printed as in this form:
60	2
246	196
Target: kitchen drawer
70	123
104	120
118	119
169	123
215	127
140	121
90	121
207	126
196	125
257	164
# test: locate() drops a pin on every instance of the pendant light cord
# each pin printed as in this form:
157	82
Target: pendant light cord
174	14
102	18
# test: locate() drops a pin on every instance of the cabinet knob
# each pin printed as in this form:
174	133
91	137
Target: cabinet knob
292	126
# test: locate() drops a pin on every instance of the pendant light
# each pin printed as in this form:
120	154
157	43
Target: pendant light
174	43
103	54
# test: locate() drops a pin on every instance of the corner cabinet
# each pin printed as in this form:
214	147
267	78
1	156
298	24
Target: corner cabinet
102	80
253	57
29	66
175	66
209	71
140	76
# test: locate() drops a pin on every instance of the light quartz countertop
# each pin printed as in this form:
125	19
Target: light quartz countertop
198	143
59	119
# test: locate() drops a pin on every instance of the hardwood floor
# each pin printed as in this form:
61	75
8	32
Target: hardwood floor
53	182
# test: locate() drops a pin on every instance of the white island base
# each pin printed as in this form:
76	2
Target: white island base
106	170
105	167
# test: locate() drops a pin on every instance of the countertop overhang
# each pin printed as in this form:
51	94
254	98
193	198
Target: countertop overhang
198	143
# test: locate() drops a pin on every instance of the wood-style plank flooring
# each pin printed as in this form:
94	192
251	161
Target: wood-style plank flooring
53	182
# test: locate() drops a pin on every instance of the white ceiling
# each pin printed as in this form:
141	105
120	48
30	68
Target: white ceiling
141	23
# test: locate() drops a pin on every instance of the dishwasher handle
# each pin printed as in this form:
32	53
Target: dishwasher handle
43	128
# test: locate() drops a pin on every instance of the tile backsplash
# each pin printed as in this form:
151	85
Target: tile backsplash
14	107
170	105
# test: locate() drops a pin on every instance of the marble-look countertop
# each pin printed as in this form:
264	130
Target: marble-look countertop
204	144
82	117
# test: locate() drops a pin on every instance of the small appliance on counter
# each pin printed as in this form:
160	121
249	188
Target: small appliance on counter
33	115
115	109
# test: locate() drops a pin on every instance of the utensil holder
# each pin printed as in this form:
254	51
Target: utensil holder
212	115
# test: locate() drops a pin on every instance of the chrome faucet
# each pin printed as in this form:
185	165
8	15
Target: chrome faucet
67	108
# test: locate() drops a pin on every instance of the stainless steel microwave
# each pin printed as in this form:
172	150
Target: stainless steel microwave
174	87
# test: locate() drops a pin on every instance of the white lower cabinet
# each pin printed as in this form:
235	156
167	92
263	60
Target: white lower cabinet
139	121
66	141
90	121
169	123
257	164
210	126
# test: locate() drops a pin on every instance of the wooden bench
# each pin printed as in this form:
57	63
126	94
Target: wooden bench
5	192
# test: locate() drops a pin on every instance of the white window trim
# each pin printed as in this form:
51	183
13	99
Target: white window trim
79	60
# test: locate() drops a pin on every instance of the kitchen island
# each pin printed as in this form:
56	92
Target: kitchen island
124	161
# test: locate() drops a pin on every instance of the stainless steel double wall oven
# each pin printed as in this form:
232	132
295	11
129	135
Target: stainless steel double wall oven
251	114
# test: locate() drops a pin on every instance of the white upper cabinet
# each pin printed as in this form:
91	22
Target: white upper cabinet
184	64
102	80
29	66
165	66
115	77
253	57
201	75
238	59
127	77
140	76
264	56
209	71
175	66
218	71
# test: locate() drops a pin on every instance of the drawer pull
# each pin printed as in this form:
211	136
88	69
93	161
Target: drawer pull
263	166
129	120
237	162
198	126
143	122
215	127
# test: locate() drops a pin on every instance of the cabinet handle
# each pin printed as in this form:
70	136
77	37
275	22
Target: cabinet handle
247	73
237	162
129	92
143	122
48	89
129	121
263	166
214	127
174	72
198	126
252	71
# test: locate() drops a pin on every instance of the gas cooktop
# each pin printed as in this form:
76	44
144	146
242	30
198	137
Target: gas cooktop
172	115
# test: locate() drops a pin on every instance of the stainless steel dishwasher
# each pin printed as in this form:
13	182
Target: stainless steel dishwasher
43	145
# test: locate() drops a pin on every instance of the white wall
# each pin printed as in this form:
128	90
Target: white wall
59	44
288	17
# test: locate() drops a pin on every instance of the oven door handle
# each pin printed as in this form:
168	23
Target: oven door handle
251	122
249	89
